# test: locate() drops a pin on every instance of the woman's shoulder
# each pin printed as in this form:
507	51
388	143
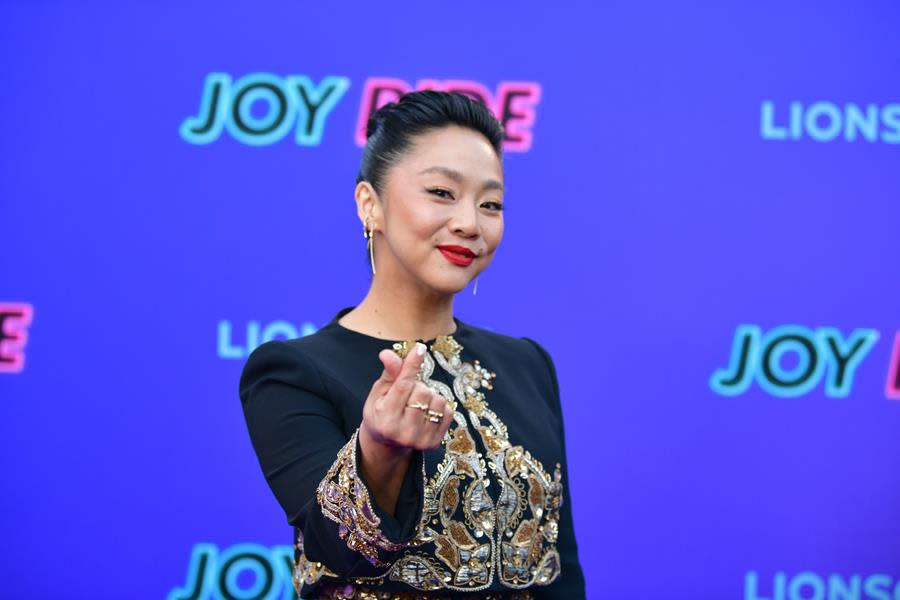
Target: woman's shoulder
306	351
276	361
524	353
522	348
315	361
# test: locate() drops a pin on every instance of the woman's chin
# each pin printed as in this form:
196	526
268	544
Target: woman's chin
449	285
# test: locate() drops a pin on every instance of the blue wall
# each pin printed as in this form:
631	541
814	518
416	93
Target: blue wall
682	177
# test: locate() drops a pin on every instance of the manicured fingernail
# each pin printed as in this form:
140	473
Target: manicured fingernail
420	348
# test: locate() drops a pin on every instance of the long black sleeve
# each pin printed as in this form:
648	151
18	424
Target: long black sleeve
570	584
307	449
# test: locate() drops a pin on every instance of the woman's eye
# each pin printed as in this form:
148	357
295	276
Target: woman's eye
441	192
494	206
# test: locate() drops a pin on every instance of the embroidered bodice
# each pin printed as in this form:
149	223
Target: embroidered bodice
481	513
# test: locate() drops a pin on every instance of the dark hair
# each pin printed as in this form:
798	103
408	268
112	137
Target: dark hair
391	128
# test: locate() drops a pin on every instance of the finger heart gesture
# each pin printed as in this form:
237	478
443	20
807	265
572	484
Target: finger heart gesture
402	411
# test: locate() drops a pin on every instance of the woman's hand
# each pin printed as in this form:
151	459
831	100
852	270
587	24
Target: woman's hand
401	414
396	413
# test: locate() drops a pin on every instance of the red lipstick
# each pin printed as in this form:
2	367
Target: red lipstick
458	255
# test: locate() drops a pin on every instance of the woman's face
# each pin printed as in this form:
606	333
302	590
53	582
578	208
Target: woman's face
441	216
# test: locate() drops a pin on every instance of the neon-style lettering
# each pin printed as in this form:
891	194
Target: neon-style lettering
516	102
215	575
313	104
295	99
736	379
513	104
892	386
15	318
207	125
843	357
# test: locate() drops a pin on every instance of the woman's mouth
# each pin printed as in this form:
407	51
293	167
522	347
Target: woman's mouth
457	255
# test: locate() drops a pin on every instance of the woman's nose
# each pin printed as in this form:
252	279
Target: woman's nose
465	219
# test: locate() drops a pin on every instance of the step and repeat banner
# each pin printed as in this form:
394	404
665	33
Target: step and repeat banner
702	227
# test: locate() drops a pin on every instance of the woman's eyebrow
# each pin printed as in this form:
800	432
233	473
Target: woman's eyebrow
489	184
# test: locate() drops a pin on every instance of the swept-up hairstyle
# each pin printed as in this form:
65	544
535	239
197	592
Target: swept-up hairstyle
391	128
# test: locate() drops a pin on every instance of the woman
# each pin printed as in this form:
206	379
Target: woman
418	456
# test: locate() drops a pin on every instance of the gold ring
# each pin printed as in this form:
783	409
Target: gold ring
434	418
418	405
435	414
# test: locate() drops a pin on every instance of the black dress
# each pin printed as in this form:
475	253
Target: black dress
486	514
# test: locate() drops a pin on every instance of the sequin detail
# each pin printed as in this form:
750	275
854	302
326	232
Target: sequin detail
474	537
306	572
357	592
465	539
345	500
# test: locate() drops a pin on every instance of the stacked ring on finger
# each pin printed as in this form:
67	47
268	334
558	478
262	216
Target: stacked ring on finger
435	416
420	405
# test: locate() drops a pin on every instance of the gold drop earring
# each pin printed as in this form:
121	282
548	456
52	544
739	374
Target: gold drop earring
369	235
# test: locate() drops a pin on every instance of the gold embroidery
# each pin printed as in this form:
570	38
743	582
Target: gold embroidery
306	572
517	534
353	592
474	538
345	500
403	348
446	345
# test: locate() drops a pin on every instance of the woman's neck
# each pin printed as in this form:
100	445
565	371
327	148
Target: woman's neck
399	312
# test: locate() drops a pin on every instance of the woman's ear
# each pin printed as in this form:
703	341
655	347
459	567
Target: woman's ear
367	205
